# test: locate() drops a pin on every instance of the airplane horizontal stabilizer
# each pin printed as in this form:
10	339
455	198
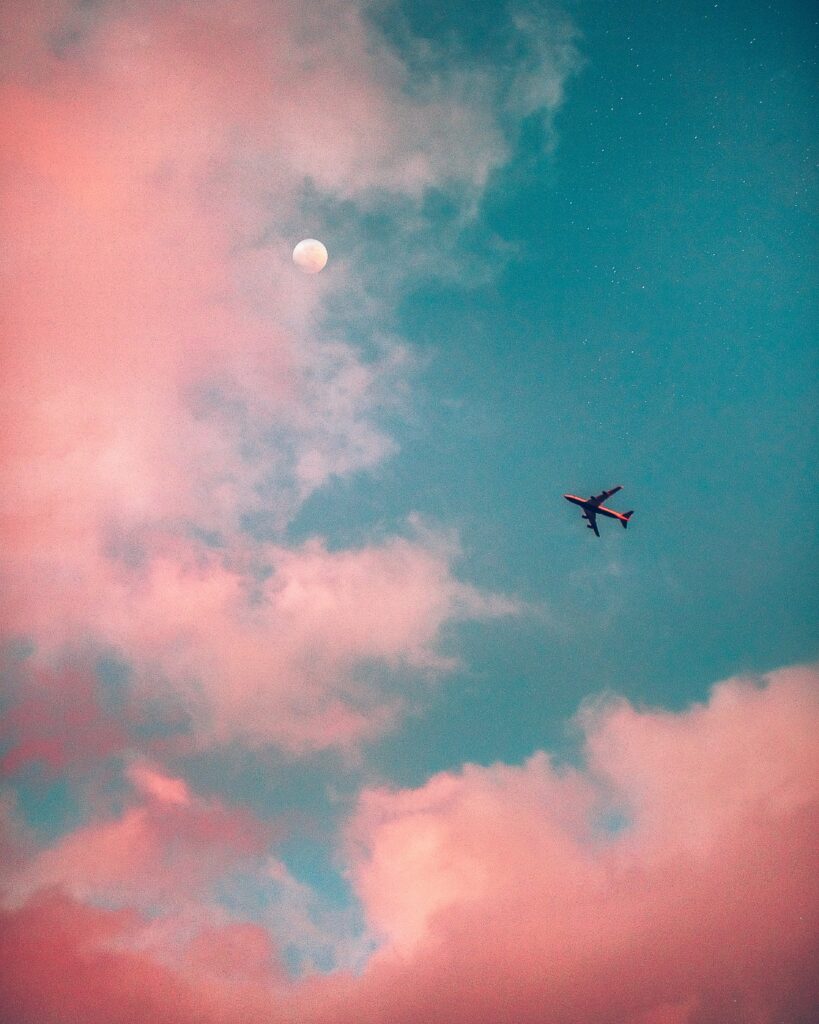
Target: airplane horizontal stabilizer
626	517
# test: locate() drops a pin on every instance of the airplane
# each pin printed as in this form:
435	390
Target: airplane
594	507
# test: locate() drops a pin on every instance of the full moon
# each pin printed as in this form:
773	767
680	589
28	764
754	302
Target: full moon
310	255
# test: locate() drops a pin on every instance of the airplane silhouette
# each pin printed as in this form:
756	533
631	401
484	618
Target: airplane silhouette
593	507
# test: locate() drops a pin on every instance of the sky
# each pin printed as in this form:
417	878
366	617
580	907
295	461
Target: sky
319	704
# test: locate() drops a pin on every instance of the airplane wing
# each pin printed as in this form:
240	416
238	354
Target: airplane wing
600	498
592	518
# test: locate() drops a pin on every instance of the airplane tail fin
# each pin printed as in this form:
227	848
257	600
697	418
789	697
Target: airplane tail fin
626	517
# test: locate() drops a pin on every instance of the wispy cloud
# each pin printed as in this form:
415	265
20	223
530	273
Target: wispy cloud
173	390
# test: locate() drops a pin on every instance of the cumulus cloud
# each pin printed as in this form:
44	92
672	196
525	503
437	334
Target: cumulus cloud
670	879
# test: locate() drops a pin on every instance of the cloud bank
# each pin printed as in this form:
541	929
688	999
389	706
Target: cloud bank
671	878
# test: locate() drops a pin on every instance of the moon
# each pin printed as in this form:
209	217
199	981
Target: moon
310	255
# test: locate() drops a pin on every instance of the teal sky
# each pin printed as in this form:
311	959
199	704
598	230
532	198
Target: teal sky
648	321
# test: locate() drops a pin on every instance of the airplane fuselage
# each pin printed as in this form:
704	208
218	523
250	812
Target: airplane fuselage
600	510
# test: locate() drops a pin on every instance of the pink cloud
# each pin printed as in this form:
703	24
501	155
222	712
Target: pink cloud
500	892
62	961
165	373
163	850
161	787
280	659
140	170
170	948
58	722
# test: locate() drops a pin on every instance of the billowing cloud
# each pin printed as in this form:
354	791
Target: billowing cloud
668	880
671	879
